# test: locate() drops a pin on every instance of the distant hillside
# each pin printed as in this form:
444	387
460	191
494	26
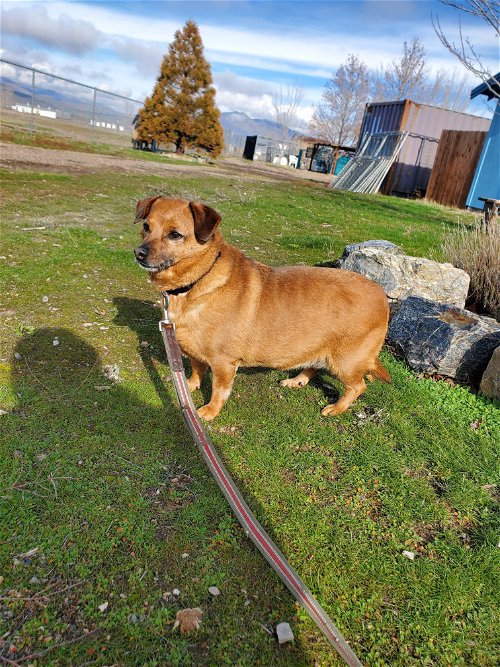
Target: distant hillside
75	101
238	125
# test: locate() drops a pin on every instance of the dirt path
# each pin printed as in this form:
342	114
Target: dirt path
16	157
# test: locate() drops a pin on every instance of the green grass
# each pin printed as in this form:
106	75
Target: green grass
104	481
49	139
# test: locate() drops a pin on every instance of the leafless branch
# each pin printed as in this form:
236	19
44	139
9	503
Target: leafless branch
464	50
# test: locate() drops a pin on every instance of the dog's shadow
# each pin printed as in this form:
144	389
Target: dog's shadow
142	317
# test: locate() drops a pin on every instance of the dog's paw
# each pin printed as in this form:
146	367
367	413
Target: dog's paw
193	385
293	383
207	413
332	410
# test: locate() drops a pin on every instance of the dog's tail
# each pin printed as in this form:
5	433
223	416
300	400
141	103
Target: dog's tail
379	372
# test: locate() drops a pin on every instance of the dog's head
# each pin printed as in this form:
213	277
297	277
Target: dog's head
172	230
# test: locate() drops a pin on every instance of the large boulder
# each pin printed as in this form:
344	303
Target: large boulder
438	338
402	276
490	384
380	244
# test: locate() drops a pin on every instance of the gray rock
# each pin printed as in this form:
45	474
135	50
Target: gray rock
386	246
284	633
438	338
402	276
490	384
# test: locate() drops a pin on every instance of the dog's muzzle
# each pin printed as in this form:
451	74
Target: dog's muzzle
141	256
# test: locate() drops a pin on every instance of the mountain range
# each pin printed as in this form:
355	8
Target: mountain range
237	125
77	101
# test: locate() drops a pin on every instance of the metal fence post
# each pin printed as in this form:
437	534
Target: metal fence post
32	117
93	116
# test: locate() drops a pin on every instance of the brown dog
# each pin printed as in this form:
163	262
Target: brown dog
231	311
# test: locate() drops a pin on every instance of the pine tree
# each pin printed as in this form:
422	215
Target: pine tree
182	109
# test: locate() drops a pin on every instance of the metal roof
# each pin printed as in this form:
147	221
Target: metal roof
487	87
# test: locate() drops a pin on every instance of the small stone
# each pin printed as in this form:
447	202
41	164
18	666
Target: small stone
103	606
144	343
214	591
176	592
41	457
409	554
17	356
45	299
34	580
185	555
284	633
3	413
55	342
112	372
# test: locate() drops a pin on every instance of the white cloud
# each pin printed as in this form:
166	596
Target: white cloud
123	51
72	35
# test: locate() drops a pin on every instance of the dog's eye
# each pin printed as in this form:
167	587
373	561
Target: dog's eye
146	227
174	236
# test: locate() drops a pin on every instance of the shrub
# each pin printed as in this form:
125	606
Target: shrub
477	252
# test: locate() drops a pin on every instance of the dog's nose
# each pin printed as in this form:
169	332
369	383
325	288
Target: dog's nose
141	253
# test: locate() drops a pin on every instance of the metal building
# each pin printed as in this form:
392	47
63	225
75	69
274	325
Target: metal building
410	173
486	182
267	149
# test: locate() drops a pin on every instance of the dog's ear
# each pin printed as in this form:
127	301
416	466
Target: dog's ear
206	221
143	207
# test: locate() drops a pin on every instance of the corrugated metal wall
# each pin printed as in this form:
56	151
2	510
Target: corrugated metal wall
410	174
381	117
487	177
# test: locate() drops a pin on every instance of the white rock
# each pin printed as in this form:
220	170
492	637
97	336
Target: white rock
55	342
45	299
284	633
214	591
103	606
409	554
176	591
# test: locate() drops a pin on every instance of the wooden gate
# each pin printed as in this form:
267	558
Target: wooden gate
456	159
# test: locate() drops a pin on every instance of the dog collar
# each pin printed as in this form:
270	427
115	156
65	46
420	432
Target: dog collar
186	288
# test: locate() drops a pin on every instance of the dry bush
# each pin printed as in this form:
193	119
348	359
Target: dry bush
477	252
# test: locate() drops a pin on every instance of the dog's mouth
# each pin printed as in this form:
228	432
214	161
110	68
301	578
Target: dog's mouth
155	268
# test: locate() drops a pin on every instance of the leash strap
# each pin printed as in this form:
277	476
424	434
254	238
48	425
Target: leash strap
250	525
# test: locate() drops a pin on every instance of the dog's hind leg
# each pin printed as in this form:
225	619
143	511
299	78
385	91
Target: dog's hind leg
301	379
351	373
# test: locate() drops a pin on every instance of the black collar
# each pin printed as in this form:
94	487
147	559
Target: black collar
186	288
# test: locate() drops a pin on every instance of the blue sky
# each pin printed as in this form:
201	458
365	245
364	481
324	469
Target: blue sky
253	46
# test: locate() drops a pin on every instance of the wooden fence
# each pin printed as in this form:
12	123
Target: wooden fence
453	170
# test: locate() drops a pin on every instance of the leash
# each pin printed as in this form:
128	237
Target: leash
249	523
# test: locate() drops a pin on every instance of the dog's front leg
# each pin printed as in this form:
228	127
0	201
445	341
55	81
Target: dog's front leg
198	370
222	383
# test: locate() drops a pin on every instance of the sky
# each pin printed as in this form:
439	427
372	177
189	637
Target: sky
254	47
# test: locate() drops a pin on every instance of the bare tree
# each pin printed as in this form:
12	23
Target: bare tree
337	118
464	50
404	77
286	101
447	89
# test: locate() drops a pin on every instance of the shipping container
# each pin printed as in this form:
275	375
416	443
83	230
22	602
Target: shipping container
410	173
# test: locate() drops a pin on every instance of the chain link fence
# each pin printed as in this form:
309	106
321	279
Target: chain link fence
39	102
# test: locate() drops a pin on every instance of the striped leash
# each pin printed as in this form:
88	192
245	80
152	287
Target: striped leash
249	523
